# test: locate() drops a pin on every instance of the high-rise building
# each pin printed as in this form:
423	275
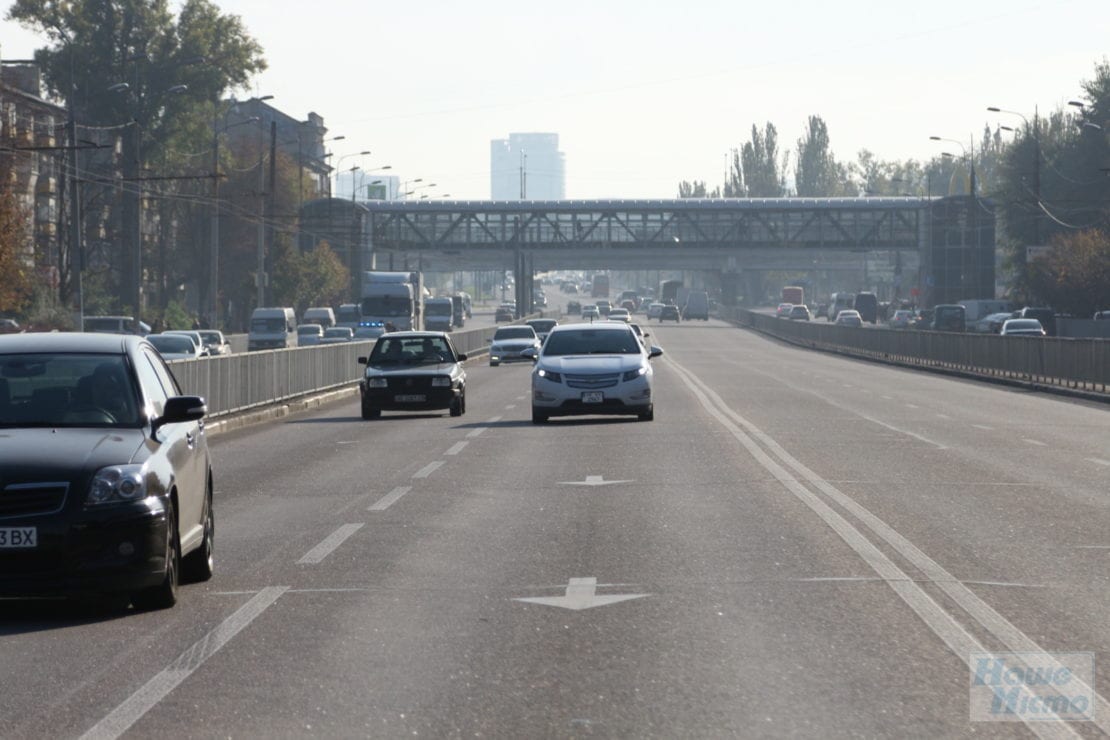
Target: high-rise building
527	167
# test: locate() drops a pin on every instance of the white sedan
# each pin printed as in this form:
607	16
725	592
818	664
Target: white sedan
598	368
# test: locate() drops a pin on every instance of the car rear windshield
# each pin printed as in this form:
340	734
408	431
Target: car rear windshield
591	342
172	343
67	390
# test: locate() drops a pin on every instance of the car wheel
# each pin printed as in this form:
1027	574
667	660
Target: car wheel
539	417
164	595
648	415
369	412
199	565
493	364
456	407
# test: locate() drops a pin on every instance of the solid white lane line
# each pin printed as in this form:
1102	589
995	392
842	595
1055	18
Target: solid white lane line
476	432
428	469
390	498
325	548
1099	461
984	427
941	622
1034	442
120	719
456	448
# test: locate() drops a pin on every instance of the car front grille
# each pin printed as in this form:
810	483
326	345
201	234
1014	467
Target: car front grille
404	383
592	382
31	499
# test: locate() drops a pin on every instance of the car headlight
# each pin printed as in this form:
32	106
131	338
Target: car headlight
441	381
377	383
633	374
117	484
549	375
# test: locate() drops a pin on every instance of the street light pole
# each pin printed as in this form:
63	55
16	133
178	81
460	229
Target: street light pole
1036	164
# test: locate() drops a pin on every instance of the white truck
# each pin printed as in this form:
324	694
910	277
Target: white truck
394	298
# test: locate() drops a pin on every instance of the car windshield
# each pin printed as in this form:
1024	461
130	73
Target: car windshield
313	329
211	337
172	344
438	309
592	342
1023	324
386	306
514	332
391	351
276	324
342	332
68	390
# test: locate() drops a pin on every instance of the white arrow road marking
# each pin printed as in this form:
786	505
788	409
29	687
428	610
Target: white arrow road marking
134	707
593	480
581	594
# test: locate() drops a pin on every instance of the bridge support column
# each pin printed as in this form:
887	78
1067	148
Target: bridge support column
753	287
730	286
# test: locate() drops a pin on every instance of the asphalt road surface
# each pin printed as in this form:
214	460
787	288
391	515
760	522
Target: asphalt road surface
798	545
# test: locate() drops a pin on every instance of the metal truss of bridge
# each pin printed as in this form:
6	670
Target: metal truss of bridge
688	233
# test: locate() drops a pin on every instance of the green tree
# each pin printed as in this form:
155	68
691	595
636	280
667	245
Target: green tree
762	165
16	284
817	174
696	189
1075	275
174	69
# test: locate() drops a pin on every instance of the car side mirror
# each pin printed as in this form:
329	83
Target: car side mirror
180	409
461	356
362	360
655	352
530	353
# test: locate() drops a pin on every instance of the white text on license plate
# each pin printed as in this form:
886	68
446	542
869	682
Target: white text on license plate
13	537
412	398
592	397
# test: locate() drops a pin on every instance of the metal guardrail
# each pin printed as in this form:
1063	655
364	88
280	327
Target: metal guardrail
1082	364
245	380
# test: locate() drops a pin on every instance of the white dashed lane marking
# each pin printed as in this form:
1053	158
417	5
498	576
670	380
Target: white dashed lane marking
428	469
1038	443
456	448
390	498
1099	461
317	554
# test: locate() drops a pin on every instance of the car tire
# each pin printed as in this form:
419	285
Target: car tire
648	415
164	595
457	408
493	364
539	417
369	412
199	565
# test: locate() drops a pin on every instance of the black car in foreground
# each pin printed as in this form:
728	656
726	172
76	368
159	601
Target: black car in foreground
105	476
413	371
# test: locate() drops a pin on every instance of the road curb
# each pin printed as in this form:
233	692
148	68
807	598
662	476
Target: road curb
254	417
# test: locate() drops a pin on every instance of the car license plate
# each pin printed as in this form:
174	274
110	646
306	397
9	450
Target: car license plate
413	398
18	537
593	397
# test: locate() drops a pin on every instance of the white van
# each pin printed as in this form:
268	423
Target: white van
322	315
272	328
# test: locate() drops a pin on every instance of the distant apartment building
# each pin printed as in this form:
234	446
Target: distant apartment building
527	166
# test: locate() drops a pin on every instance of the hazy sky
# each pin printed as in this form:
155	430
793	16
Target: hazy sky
644	93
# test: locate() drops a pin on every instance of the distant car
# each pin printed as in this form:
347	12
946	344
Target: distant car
992	323
413	371
215	341
106	470
175	347
509	342
369	330
574	308
194	335
309	334
504	313
604	307
901	319
590	312
337	335
1022	327
783	310
599	368
799	312
669	312
9	326
1102	315
849	317
542	327
654	309
620	314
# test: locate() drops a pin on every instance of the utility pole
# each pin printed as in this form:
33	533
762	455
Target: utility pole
271	195
523	175
76	254
261	268
1037	176
214	244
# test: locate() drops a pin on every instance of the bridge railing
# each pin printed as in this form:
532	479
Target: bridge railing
1082	364
245	380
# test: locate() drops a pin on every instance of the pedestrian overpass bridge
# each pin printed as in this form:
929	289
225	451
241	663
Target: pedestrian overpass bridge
721	235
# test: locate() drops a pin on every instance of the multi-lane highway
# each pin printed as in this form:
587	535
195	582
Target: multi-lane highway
799	544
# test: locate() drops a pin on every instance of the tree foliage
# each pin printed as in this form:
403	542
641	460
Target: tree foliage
1075	275
762	166
16	281
696	189
817	173
313	278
